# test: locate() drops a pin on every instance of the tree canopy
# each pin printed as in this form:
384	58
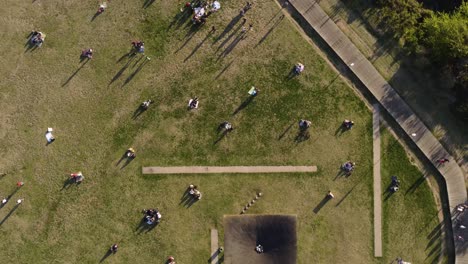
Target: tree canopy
446	35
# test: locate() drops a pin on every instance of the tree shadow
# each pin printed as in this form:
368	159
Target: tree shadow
148	3
322	204
285	131
108	253
9	214
198	46
244	104
74	74
270	31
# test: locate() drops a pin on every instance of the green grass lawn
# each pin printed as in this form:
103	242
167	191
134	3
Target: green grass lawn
91	114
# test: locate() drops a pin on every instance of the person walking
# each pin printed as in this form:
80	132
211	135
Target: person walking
442	161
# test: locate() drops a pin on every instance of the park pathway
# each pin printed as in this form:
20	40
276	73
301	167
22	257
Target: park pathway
389	99
214	246
377	182
228	169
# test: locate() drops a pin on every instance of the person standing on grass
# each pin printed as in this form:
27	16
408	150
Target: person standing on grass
114	248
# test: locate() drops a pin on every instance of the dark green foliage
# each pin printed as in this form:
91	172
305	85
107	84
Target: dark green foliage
446	35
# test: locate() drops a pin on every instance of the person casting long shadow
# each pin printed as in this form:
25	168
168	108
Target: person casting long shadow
142	108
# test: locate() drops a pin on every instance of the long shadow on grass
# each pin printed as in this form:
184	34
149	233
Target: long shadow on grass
74	74
243	104
302	135
198	46
230	37
140	67
285	131
224	70
181	18
270	31
140	110
188	36
321	204
232	45
228	28
148	3
9	214
187	200
29	45
108	253
122	70
345	196
145	227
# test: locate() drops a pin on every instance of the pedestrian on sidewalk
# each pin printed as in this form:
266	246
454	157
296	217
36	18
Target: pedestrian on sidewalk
442	161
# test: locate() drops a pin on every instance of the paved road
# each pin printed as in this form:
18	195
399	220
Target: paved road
377	182
228	169
389	99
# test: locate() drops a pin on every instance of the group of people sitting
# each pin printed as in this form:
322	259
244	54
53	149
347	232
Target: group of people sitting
304	124
37	38
348	124
226	126
202	10
138	46
192	190
152	216
87	53
77	177
102	8
348	167
395	185
298	68
259	249
246	8
48	135
193	103
145	105
130	153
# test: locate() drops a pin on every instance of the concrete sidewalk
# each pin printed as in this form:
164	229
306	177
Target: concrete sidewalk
228	169
388	98
377	182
